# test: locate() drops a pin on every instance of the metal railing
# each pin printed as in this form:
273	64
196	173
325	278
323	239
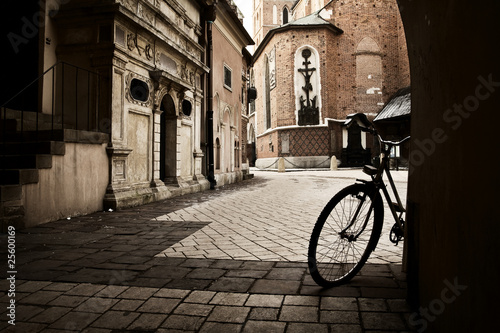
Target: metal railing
67	97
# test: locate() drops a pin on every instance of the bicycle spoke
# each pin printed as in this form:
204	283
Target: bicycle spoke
341	240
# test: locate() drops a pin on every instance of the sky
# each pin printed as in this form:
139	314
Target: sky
246	8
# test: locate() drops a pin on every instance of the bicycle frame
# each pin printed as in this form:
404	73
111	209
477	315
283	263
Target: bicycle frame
379	183
377	179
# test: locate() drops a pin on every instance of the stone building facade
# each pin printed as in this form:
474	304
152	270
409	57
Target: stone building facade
230	70
123	95
332	60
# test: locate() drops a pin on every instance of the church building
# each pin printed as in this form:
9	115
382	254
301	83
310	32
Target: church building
316	63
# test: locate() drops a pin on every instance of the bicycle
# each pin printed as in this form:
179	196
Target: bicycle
349	226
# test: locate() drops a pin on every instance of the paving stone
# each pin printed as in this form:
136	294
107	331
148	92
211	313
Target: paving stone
254	326
398	305
383	292
206	273
68	301
295	274
227	264
246	273
25	312
196	263
85	289
172	293
275	286
40	297
223	298
25	327
382	321
50	315
183	323
229	314
159	305
258	265
97	305
166	272
188	284
342	328
264	314
147	322
374	281
337	291
271	301
232	284
128	305
339	317
292	313
31	286
60	286
339	303
92	330
301	300
75	321
115	320
213	327
193	309
306	327
372	304
138	293
149	282
111	291
200	297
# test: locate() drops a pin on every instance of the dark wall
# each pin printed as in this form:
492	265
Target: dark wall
453	222
20	23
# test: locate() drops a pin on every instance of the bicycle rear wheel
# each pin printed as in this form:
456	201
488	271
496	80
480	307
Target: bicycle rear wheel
345	234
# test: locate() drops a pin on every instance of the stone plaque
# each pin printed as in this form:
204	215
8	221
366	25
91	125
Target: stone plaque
285	143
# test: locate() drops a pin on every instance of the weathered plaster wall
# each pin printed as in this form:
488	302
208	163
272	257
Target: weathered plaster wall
75	185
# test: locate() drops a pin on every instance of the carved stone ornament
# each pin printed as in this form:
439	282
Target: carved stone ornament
128	93
132	42
148	51
309	111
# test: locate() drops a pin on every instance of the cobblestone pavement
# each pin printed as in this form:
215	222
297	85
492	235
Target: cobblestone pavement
229	260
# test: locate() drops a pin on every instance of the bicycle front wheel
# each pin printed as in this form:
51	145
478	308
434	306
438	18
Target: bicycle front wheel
345	234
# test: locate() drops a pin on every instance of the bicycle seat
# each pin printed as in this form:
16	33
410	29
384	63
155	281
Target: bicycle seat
370	170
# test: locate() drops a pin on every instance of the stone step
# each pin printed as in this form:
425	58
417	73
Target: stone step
26	162
25	148
19	176
11	193
33	136
8	125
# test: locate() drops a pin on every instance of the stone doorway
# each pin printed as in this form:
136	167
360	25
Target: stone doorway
168	141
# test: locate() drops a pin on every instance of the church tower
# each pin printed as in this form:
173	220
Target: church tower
269	14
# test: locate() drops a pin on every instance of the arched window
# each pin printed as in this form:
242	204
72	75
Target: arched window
217	154
275	14
267	89
285	15
369	79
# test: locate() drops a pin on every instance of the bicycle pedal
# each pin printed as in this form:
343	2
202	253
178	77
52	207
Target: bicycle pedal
396	234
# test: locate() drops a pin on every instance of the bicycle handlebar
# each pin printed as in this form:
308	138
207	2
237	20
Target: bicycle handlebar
393	143
387	142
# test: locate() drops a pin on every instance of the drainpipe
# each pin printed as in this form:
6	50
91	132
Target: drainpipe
210	16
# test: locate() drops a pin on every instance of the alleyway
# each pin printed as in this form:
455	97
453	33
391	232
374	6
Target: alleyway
229	260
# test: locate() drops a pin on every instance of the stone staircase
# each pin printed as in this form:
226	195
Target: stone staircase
22	156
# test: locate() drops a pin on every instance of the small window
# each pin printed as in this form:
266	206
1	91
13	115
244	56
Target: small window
186	107
285	15
139	90
228	77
